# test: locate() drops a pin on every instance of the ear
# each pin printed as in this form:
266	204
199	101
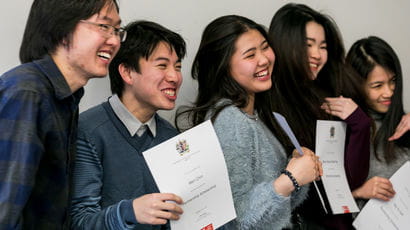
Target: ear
65	42
125	73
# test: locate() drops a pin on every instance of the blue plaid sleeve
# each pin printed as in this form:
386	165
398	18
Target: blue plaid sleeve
20	152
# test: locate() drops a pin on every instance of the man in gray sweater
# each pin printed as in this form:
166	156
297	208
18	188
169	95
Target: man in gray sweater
113	187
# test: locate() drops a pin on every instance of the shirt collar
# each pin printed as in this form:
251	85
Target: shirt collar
130	121
61	88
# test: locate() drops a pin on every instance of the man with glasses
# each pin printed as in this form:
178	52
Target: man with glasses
113	187
65	43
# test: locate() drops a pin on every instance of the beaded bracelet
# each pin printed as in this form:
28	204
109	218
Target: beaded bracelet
294	181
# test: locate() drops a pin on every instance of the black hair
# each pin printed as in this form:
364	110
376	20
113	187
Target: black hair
142	39
294	93
51	22
364	55
211	68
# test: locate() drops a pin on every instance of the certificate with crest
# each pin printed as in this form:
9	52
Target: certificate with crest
192	166
330	146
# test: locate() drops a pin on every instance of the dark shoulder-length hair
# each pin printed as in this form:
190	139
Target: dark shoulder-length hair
52	22
364	55
211	68
294	93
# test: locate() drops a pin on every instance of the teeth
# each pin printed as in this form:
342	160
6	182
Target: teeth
262	73
104	55
313	65
169	92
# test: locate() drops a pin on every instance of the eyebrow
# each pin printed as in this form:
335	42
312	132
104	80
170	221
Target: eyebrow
254	48
382	82
314	40
110	20
165	59
376	82
161	59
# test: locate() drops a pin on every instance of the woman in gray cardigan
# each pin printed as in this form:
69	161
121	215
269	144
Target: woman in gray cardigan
233	67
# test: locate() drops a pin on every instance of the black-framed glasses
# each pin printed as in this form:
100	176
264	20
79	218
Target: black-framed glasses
109	30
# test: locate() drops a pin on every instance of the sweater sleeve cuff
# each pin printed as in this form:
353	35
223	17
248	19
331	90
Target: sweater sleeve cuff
127	212
358	117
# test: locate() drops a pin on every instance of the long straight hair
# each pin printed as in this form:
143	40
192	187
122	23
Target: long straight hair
211	68
364	55
294	94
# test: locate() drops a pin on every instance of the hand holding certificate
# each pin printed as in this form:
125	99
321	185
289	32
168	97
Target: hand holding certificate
192	166
393	214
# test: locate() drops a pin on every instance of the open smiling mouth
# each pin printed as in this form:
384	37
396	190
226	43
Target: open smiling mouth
262	74
169	92
104	55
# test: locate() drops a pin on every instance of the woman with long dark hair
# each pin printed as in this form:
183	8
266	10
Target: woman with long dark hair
310	70
379	69
233	67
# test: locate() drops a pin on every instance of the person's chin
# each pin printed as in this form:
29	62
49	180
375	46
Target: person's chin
101	73
313	76
381	109
168	106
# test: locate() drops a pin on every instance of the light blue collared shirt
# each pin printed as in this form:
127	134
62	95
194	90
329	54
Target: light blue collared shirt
133	125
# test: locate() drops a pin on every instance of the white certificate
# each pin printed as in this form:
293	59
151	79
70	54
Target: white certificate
192	166
330	145
393	214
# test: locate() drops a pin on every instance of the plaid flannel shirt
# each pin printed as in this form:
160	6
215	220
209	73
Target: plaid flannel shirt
38	128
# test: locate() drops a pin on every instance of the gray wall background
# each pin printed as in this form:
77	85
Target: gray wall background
356	19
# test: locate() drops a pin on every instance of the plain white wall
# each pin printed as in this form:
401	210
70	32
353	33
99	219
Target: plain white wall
356	19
